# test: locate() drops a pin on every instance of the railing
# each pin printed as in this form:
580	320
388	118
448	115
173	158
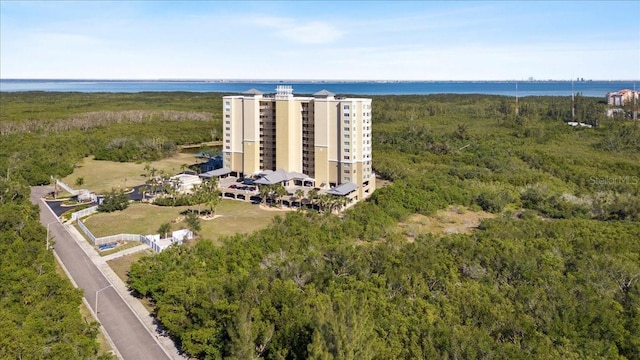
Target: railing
116	238
67	187
111	238
84	212
86	231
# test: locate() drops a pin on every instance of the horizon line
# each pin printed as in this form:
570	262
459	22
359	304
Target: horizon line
307	80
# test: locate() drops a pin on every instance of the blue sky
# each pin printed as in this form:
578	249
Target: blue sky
357	40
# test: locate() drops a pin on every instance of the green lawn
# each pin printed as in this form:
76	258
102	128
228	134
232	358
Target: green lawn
101	176
236	217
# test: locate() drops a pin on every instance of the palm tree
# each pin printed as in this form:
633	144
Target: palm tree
312	195
265	190
343	202
213	199
324	201
193	222
164	229
142	190
333	202
279	192
198	195
299	196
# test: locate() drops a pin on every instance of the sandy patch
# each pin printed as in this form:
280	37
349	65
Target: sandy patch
453	220
275	208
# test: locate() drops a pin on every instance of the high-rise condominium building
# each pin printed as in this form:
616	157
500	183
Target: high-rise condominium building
324	140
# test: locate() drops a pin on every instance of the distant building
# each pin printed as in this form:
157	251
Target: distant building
324	140
622	97
184	183
159	244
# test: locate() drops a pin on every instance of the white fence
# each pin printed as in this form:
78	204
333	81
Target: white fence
116	238
86	231
150	240
111	238
66	187
84	212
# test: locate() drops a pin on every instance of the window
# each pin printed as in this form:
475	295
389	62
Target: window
346	136
346	114
346	157
346	129
227	116
346	122
227	128
227	103
228	122
227	141
227	147
346	143
346	178
346	107
346	150
345	171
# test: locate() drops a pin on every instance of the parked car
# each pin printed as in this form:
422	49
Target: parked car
247	181
233	186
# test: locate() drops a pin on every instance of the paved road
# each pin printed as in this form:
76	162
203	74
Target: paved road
58	209
130	336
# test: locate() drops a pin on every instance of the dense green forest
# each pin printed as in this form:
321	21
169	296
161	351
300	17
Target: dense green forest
39	308
44	134
555	275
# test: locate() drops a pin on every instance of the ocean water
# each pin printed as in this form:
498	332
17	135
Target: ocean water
508	88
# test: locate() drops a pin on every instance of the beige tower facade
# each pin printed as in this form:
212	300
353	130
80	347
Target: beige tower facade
324	137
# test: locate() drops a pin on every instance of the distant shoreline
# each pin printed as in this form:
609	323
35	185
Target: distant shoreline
321	80
589	88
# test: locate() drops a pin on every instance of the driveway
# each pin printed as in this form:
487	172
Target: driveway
58	209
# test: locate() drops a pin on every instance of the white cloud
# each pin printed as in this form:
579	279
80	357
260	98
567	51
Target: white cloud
301	32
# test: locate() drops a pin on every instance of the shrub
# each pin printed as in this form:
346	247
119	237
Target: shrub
113	201
493	200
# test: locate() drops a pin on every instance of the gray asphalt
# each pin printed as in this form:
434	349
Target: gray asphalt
130	336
